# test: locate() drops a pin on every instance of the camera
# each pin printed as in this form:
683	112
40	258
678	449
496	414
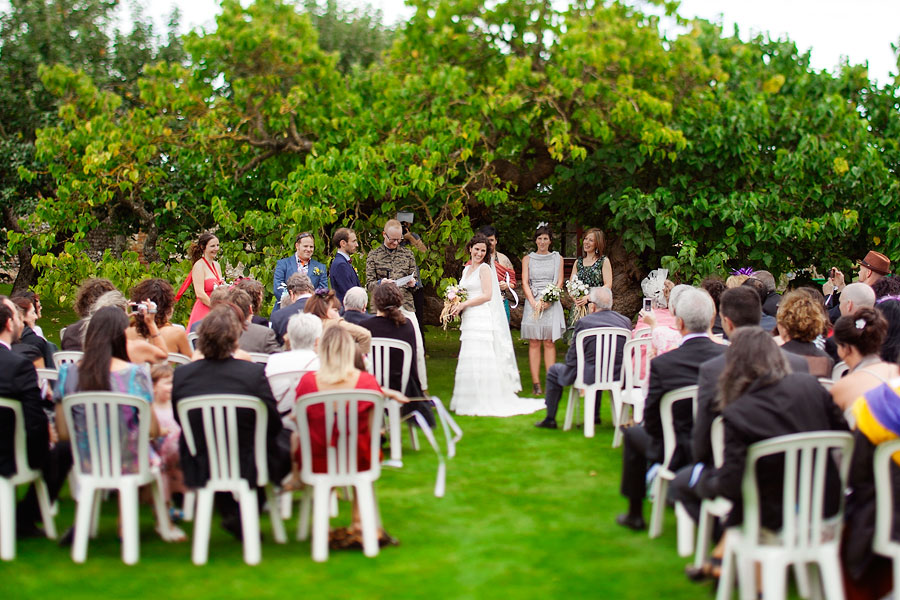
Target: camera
140	308
648	304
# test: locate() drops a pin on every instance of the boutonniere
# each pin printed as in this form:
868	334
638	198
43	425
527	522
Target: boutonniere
317	271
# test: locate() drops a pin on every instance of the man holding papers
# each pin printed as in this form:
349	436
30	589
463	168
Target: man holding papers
390	262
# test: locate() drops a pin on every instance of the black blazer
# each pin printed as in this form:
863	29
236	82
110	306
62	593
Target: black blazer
796	404
707	407
229	376
383	327
356	317
18	381
279	319
44	347
675	369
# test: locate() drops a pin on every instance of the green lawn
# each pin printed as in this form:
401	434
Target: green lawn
528	513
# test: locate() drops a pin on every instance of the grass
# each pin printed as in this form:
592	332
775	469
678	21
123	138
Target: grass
528	513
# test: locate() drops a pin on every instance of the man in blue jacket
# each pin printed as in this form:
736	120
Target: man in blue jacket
300	262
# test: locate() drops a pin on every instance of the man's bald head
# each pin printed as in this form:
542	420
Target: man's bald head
856	296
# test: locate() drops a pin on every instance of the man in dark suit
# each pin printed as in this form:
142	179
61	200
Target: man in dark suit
343	275
739	307
300	262
773	298
255	338
219	373
355	301
694	313
18	381
560	375
299	289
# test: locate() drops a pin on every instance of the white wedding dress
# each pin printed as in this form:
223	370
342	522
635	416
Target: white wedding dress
487	376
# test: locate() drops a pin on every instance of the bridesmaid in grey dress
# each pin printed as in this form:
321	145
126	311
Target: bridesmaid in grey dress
539	269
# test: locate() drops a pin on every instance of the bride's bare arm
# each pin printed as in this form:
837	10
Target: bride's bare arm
484	274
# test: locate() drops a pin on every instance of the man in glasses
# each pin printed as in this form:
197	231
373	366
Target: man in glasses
391	262
300	262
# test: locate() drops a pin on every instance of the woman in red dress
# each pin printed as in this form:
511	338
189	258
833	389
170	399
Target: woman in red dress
206	274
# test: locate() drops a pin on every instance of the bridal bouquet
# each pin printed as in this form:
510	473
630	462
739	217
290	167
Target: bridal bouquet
453	295
578	289
549	294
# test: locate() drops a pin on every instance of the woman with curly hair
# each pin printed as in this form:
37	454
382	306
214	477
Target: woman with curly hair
800	320
160	292
206	275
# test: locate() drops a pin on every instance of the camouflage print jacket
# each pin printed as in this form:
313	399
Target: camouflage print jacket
384	263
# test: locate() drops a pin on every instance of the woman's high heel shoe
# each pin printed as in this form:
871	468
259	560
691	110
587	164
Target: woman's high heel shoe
536	389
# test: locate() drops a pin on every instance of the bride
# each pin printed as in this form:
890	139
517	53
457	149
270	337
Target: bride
487	377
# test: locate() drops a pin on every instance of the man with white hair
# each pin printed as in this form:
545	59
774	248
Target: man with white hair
560	375
355	301
303	333
694	313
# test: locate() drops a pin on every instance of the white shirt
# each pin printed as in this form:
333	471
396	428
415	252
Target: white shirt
304	360
344	254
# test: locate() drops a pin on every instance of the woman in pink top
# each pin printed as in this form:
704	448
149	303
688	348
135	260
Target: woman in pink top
659	319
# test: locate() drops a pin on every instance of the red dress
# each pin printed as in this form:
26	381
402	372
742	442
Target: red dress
200	310
316	417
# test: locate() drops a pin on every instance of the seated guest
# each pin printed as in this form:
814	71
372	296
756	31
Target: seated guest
299	290
29	337
714	287
773	298
300	262
340	370
88	293
324	305
355	301
303	333
766	321
19	382
889	308
800	320
762	399
736	279
859	337
160	292
389	322
855	296
660	319
560	375
678	368
166	445
36	302
139	351
740	307
256	291
255	338
867	575
886	286
220	373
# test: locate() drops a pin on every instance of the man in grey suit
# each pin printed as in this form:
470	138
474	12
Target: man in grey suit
560	375
256	338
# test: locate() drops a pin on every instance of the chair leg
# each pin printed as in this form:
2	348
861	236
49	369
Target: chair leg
590	401
727	575
84	518
250	526
365	500
746	574
189	503
704	535
159	507
394	426
774	580
286	503
305	514
659	506
570	409
43	496
128	509
333	507
413	435
807	580
685	525
275	516
95	518
618	410
830	572
320	505
202	522
7	520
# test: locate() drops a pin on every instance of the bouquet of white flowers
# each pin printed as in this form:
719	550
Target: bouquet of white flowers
549	294
453	295
578	289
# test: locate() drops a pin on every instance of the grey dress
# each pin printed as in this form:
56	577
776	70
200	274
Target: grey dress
543	270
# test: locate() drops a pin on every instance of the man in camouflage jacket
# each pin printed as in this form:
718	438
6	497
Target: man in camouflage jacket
390	262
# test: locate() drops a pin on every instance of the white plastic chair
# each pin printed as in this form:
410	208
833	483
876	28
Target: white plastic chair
826	383
710	508
62	333
644	332
636	367
341	430
883	543
380	366
192	339
102	413
24	474
62	357
607	340
259	357
179	359
839	370
287	381
664	474
806	536
219	413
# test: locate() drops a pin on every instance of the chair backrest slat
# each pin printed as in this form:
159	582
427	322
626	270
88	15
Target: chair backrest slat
883	543
606	341
21	455
806	458
380	361
666	406
636	362
717	440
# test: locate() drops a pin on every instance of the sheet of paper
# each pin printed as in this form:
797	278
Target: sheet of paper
403	280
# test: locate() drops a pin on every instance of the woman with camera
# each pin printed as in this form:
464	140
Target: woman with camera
157	297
